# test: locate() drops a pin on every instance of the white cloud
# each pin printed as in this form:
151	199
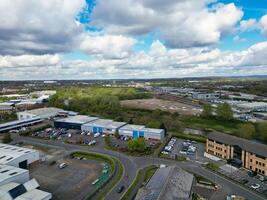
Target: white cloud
158	62
263	25
238	39
38	27
109	46
248	25
181	23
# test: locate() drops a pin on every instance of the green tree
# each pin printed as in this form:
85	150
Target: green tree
153	124
207	110
7	138
262	131
138	145
116	134
246	130
162	126
224	111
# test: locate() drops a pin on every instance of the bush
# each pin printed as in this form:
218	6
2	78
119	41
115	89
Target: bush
246	131
189	137
212	166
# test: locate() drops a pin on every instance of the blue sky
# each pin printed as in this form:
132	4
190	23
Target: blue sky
99	39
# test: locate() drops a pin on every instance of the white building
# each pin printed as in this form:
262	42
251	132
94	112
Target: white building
136	131
254	106
43	113
17	156
26	191
13	174
102	126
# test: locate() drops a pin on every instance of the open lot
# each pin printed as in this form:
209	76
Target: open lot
165	105
72	182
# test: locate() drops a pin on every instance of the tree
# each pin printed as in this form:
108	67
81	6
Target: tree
116	134
262	131
7	138
137	145
153	124
162	126
246	130
207	110
130	121
224	111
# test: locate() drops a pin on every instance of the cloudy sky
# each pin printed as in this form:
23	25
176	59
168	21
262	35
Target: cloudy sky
103	39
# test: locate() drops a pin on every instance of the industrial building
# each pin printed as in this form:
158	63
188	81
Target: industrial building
136	131
25	191
102	126
19	124
251	155
42	113
13	174
254	106
17	156
73	122
168	183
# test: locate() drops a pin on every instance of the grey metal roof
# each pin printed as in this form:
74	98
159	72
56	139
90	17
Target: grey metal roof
248	145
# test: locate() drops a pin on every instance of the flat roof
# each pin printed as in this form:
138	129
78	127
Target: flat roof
77	119
19	123
248	145
108	123
252	105
167	183
40	111
10	152
7	171
133	127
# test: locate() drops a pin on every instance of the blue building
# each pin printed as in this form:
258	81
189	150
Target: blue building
137	131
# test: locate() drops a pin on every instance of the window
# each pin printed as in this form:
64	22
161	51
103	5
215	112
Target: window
225	150
263	172
250	167
250	160
263	164
256	162
256	169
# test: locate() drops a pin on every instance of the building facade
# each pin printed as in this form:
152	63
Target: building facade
252	155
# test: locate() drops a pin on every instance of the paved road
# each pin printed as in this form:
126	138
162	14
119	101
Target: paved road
132	164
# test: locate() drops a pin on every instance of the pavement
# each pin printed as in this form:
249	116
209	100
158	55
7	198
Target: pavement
132	164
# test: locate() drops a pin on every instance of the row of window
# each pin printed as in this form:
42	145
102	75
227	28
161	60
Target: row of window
258	163
258	170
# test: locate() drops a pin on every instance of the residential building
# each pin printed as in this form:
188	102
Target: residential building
252	155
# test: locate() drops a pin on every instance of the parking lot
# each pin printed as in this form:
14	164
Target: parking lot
72	181
190	149
245	178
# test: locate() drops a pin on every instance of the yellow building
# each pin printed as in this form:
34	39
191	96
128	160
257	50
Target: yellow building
252	155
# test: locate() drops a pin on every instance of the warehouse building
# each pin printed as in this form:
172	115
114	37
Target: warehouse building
17	156
13	174
42	113
17	124
137	131
251	155
102	126
25	191
253	107
168	183
73	122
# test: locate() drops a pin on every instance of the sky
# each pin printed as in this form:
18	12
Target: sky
115	39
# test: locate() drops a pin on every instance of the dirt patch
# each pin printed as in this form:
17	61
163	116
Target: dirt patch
165	105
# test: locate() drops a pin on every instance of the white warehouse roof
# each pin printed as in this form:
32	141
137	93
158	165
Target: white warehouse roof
77	119
133	127
252	105
9	173
9	153
107	123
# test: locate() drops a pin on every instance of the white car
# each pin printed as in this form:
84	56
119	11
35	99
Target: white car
92	142
69	135
103	135
62	165
255	186
165	152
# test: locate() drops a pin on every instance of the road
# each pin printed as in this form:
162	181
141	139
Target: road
132	164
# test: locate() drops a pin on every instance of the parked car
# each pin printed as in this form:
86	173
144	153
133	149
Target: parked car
96	135
244	181
120	189
255	186
62	165
165	152
92	142
252	173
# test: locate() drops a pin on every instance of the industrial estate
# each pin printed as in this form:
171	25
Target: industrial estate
175	143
